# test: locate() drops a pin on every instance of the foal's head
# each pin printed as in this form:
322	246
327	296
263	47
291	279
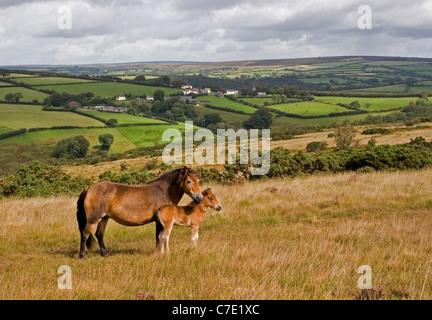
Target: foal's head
210	200
189	182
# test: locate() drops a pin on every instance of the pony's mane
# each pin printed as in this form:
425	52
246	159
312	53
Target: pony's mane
178	172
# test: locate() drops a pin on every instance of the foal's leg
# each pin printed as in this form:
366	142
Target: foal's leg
100	233
194	237
166	235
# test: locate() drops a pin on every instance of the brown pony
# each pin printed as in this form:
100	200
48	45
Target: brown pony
131	205
186	216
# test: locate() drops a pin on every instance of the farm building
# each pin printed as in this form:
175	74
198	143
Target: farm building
121	97
262	95
205	90
74	104
190	91
231	92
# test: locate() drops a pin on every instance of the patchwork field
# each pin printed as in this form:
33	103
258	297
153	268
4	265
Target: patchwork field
226	103
309	108
28	94
106	89
36	81
376	104
17	116
122	118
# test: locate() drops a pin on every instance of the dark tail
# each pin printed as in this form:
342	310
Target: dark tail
82	218
159	226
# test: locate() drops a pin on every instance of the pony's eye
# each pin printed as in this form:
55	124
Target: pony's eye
188	182
212	199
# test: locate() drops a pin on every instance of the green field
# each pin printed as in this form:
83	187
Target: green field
309	108
147	136
376	104
4	84
38	146
30	116
107	89
122	118
28	94
36	81
226	103
282	122
257	101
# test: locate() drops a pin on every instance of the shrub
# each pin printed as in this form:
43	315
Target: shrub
75	147
38	179
376	131
316	146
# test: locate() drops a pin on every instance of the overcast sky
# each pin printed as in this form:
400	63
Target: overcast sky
103	31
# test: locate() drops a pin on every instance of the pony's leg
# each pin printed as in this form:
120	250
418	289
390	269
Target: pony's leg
84	236
100	233
166	236
194	236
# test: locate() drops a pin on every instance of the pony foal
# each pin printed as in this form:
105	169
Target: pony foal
190	215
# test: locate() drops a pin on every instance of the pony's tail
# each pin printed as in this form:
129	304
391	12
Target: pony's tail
82	218
159	227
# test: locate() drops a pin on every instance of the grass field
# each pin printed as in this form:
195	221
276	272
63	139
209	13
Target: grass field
147	136
36	81
257	101
122	118
226	103
17	116
306	240
281	122
4	84
28	94
309	108
106	89
376	104
38	146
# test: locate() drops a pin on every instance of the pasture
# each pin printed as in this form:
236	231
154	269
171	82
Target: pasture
17	116
122	118
376	104
309	108
301	238
226	103
106	89
28	94
37	81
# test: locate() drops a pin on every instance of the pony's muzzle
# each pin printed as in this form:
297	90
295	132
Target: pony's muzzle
218	207
197	197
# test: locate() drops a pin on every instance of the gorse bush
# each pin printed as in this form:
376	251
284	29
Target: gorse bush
38	179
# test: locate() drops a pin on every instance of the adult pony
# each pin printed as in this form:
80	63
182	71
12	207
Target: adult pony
131	205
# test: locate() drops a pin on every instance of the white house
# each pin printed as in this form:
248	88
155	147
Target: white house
121	97
205	91
190	91
262	95
231	92
186	86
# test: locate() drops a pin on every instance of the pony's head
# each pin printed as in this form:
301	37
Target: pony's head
210	199
189	182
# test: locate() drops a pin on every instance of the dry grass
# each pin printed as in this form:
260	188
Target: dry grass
401	134
301	238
